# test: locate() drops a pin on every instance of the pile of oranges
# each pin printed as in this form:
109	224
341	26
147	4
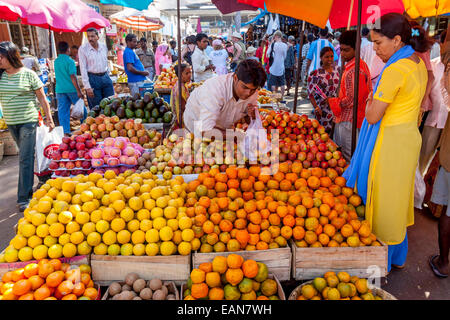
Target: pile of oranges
246	209
339	286
231	278
48	280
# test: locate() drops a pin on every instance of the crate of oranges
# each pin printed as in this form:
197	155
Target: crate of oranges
49	280
339	286
232	277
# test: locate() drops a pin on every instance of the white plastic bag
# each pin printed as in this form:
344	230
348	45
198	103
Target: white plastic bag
419	189
255	140
46	144
77	109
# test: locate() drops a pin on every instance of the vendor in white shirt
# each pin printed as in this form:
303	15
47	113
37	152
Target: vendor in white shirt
223	100
201	63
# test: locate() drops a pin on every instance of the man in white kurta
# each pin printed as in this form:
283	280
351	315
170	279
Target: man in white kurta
223	100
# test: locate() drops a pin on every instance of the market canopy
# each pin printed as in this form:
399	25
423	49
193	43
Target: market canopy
57	15
140	20
229	6
343	13
136	4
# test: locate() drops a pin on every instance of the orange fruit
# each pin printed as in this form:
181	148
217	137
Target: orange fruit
216	294
250	268
233	184
78	289
18	275
85	278
42	293
45	269
70	296
243	173
219	264
199	290
261	245
54	279
234	261
21	287
213	279
31	270
36	282
56	263
234	276
205	266
243	237
27	296
231	172
340	181
298	233
91	293
197	275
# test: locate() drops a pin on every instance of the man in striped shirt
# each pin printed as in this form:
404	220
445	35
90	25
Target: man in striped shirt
93	58
313	56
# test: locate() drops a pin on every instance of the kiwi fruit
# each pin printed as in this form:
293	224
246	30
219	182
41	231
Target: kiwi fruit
146	294
155	284
131	278
114	288
117	297
170	297
137	298
138	285
126	295
165	290
159	295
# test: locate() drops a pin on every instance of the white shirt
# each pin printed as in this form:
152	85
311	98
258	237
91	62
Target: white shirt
213	105
279	55
439	97
367	52
219	58
92	60
200	61
435	51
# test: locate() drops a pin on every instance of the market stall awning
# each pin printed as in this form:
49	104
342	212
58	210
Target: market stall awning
230	6
140	20
57	15
426	8
136	4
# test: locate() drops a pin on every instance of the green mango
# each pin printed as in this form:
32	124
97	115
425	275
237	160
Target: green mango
121	113
129	113
107	111
159	120
147	114
130	105
168	116
104	102
139	113
151	120
155	113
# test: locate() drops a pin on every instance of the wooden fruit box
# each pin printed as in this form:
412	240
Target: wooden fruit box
107	269
76	260
309	263
280	290
278	260
170	284
378	291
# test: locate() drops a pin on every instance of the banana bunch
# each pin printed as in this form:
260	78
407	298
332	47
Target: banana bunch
122	78
3	125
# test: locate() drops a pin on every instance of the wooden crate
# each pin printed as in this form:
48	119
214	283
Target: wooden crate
9	144
170	284
309	263
77	260
107	269
281	294
278	261
378	291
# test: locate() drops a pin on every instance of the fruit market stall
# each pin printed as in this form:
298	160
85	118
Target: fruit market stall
232	277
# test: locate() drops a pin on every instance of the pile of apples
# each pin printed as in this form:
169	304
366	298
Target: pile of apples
117	154
103	127
304	139
166	79
72	156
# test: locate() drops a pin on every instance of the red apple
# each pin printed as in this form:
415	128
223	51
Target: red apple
292	156
315	164
78	163
65	154
325	137
64	146
56	155
301	156
321	129
310	156
314	149
53	165
303	117
73	155
86	164
315	123
70	165
328	155
283	157
320	156
66	140
72	145
337	155
306	164
322	147
80	146
341	162
340	170
307	124
332	162
324	164
81	138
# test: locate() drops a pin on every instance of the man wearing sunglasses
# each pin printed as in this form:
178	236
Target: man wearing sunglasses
223	100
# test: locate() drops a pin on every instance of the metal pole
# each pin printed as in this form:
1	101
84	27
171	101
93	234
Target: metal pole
357	63
299	67
179	115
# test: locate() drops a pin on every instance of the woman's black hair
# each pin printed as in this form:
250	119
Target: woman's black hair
410	32
348	38
183	67
324	51
251	71
10	52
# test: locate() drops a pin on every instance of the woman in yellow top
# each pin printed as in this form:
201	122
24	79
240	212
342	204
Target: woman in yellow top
385	160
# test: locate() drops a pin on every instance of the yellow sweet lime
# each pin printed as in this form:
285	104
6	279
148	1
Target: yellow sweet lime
123	236
109	237
18	242
184	248
162	202
109	186
126	249
64	238
88	228
137	237
149	204
64	196
143	214
40	252
51	218
118	224
90	206
159	223
27	230
101	249
139	249
145	225
187	235
75	209
168	248
185	223
135	203
108	214
156	213
55	251
34	241
25	254
102	226
113	250
170	212
82	217
118	205
152	249
128	192
94	177
84	248
156	193
106	200
109	174
166	233
72	227
127	214
69	250
60	206
80	187
49	241
42	230
96	216
65	217
133	225
115	195
44	206
11	255
195	243
173	224
152	236
98	193
77	237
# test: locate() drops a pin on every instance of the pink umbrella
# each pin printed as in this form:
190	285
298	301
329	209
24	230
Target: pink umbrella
199	26
57	15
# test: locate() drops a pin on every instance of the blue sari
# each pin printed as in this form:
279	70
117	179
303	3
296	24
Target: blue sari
358	171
